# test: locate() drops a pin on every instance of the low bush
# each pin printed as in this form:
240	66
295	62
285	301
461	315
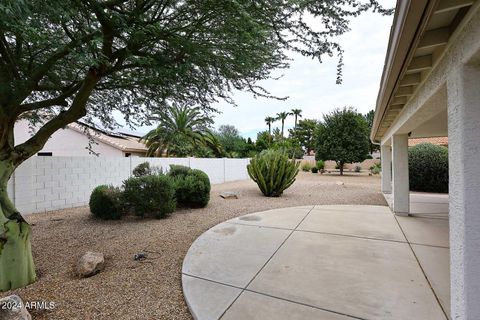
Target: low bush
306	166
314	170
273	172
105	202
152	195
192	189
178	170
143	169
321	165
358	168
376	168
428	168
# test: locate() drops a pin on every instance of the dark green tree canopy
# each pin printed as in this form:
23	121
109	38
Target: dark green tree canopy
342	137
304	132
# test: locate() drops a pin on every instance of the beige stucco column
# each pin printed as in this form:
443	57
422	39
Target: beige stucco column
463	87
386	157
400	181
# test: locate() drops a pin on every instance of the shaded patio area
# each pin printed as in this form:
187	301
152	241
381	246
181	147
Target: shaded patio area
320	262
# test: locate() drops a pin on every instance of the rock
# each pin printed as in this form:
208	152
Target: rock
90	264
340	183
228	195
140	256
13	308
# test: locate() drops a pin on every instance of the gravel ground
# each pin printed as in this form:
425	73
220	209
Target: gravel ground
151	289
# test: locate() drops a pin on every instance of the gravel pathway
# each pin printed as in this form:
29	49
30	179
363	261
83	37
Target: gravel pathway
151	289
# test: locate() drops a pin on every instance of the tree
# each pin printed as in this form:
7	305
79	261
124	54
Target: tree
304	132
269	121
264	141
369	117
65	60
342	137
297	113
232	143
181	130
282	116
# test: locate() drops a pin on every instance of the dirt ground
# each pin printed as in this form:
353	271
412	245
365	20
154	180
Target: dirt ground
152	289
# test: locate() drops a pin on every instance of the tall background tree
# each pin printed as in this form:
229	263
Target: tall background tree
297	113
304	132
269	121
65	60
233	144
282	116
342	137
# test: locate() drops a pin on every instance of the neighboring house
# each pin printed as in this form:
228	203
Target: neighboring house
439	141
74	140
430	88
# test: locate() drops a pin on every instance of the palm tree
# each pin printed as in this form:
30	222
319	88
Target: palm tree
282	116
298	114
269	121
181	129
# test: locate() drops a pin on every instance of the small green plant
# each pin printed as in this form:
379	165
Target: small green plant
193	189
306	166
152	195
376	168
428	168
321	165
105	202
358	169
143	169
273	172
314	170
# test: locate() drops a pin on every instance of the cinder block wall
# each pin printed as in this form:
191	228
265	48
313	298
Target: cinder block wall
50	183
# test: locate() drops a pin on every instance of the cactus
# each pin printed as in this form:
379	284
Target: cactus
273	172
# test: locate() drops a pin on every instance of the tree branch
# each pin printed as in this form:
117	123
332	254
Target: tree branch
75	112
57	101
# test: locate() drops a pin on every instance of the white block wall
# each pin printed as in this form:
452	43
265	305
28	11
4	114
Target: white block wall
51	183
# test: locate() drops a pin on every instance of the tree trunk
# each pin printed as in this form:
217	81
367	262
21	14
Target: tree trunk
341	168
16	262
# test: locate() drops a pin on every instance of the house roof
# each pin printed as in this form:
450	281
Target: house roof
124	142
440	141
419	36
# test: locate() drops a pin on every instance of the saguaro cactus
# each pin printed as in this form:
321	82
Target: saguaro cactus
273	172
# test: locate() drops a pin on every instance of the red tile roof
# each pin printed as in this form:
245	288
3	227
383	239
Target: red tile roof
441	141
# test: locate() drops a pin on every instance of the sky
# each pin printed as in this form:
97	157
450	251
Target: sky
310	85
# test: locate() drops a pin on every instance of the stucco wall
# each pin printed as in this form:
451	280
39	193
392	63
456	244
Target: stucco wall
66	142
50	183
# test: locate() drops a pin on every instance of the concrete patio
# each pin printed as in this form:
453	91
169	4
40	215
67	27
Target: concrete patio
320	262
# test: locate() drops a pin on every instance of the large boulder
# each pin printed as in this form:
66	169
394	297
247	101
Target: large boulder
90	264
13	308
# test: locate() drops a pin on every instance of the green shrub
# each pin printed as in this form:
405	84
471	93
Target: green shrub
273	172
320	165
193	189
314	170
178	170
358	169
376	168
143	169
306	166
428	168
152	196
105	202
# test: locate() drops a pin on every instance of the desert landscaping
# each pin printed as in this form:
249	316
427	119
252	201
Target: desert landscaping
151	289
